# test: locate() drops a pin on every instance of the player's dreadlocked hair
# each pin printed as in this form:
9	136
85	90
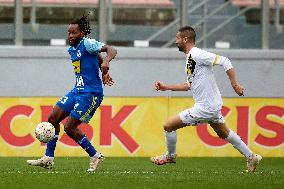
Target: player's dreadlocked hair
83	23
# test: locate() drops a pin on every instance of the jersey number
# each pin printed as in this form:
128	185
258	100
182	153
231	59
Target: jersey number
63	99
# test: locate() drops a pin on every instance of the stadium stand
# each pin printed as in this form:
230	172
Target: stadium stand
136	20
240	32
255	3
53	15
237	32
94	3
253	15
159	12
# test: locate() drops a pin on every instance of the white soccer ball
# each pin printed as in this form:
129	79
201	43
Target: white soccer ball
44	132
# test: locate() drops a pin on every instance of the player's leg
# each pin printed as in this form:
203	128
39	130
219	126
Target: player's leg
71	129
170	127
60	111
83	112
57	115
46	161
174	123
221	129
230	136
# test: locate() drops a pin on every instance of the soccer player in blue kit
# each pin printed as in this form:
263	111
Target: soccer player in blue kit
80	104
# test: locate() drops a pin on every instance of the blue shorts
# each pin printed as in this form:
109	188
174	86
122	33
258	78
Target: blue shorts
81	106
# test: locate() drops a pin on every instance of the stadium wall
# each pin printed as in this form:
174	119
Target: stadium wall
129	121
46	71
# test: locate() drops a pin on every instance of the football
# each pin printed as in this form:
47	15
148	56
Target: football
44	132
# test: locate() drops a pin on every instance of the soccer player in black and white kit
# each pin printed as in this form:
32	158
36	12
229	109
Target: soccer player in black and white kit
208	102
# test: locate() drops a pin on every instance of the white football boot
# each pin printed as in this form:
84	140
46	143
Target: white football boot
95	162
163	159
252	162
44	162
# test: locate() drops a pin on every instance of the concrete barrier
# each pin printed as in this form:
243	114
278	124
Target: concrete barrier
46	71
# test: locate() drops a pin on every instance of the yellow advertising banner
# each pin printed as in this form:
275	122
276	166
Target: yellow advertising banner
126	126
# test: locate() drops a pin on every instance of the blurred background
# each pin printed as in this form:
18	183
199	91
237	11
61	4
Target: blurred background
36	71
250	24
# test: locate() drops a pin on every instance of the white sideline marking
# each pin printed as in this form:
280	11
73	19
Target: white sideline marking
125	172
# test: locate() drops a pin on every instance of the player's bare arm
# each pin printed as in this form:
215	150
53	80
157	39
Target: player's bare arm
226	63
107	79
100	60
160	86
232	77
111	53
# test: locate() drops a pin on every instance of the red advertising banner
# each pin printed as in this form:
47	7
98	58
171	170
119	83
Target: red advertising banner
125	126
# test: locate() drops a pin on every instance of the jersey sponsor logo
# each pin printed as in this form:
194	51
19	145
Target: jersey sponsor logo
80	81
79	54
190	66
77	66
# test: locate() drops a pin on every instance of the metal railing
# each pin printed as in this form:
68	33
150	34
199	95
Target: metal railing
206	33
278	26
220	26
175	22
204	20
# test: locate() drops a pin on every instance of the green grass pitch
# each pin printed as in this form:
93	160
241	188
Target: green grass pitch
70	172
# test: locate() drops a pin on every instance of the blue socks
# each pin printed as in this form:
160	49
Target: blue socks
51	146
84	143
87	146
